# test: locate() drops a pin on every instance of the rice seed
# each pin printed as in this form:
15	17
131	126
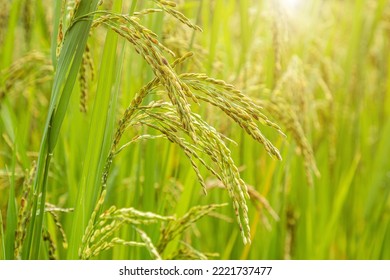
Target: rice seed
50	209
52	247
148	243
86	64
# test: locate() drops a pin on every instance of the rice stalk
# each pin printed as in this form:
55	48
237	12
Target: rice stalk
187	252
85	69
177	226
46	236
258	200
171	116
149	244
234	104
146	44
33	64
52	209
208	140
24	214
286	104
98	236
210	143
61	28
326	88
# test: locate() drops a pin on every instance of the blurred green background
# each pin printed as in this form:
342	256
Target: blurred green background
321	71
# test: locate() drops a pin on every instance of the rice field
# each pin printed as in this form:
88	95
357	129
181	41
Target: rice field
199	129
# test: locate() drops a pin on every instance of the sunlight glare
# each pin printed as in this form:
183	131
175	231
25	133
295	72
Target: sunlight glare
290	5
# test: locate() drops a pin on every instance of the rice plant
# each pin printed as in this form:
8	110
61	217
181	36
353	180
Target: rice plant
139	129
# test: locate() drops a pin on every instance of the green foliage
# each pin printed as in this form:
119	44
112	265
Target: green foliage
126	125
